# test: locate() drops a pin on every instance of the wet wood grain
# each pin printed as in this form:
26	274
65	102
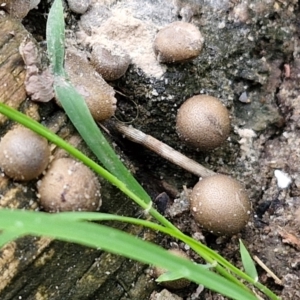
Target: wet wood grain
44	268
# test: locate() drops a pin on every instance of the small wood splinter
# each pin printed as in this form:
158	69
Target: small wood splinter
276	279
163	150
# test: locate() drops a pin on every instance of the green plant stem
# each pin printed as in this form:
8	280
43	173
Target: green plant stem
115	241
43	131
209	255
76	108
38	128
195	245
78	113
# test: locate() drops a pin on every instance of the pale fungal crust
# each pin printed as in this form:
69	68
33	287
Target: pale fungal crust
283	179
220	205
99	96
203	122
114	25
172	284
110	62
178	42
69	186
24	155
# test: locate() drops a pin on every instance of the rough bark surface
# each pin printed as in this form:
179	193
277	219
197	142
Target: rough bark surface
250	61
42	268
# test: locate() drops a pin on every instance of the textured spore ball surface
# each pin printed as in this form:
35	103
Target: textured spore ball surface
178	42
69	186
110	63
24	155
177	283
203	122
220	205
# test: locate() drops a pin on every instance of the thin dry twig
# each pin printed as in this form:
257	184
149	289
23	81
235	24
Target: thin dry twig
163	150
276	279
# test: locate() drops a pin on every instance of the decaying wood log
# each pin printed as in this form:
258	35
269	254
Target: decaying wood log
12	72
43	268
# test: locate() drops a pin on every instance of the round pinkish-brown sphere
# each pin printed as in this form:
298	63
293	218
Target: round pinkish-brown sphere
24	155
220	205
203	122
177	283
69	186
110	63
98	94
178	42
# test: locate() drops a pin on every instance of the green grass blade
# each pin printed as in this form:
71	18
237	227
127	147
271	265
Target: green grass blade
43	131
55	32
79	114
118	242
168	276
248	263
209	255
76	108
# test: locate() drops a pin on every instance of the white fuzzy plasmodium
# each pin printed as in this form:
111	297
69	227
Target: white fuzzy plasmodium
283	179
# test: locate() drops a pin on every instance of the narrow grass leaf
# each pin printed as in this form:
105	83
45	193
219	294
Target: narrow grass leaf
208	254
55	32
168	276
117	242
79	114
248	263
76	108
214	259
52	137
45	132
